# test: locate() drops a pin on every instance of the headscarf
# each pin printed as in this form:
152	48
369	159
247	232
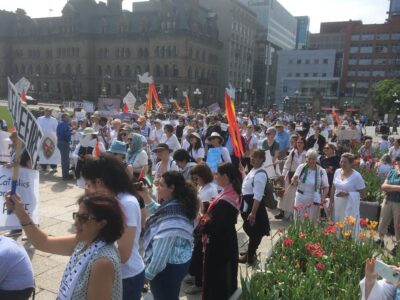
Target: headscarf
135	145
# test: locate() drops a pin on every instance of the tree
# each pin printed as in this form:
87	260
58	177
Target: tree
383	95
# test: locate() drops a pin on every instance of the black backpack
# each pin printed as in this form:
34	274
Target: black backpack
269	197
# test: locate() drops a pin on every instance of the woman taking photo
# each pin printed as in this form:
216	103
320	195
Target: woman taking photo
94	269
196	149
168	236
347	190
254	214
107	176
391	206
312	187
296	157
219	236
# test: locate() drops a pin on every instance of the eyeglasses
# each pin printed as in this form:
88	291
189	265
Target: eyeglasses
82	218
299	142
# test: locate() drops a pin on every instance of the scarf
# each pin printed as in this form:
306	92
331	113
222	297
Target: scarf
168	221
229	195
135	147
317	181
76	265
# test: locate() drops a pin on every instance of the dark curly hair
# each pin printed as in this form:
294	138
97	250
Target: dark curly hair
106	208
111	172
184	192
233	174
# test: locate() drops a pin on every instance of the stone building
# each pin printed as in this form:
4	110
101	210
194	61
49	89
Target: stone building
98	49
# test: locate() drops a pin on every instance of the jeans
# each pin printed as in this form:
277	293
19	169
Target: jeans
64	148
167	284
132	287
16	295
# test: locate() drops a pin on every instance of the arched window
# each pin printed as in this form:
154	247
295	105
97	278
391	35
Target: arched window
162	51
140	52
157	51
68	69
118	72
190	73
118	89
99	71
138	70
175	71
128	72
30	69
108	71
169	51
23	70
38	70
166	70
146	52
157	71
46	70
196	74
58	70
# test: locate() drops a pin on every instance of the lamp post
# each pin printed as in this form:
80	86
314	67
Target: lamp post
346	104
266	95
353	85
104	89
197	95
296	93
285	102
248	82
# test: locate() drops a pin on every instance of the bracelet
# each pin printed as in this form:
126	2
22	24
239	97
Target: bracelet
27	224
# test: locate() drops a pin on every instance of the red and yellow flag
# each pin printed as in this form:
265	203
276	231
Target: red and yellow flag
234	130
187	104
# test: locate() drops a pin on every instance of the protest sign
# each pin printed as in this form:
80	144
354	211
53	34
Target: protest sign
346	135
269	165
214	157
27	188
28	130
5	142
130	100
48	152
80	115
22	85
88	106
109	104
214	108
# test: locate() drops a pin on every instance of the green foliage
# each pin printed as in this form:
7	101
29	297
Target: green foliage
5	115
383	94
294	272
373	185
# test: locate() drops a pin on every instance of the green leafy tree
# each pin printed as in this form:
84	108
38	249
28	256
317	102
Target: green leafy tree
383	94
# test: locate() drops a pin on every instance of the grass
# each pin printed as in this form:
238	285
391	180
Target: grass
5	115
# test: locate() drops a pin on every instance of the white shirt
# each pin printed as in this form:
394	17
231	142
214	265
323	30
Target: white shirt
393	152
156	136
308	187
252	144
140	160
352	184
208	192
294	160
199	153
48	125
171	166
381	290
172	142
254	184
130	206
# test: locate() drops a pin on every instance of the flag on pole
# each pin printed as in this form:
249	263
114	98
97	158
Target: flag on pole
147	177
234	130
187	103
23	96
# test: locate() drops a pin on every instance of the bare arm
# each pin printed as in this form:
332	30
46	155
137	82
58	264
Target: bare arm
386	187
101	280
63	245
125	243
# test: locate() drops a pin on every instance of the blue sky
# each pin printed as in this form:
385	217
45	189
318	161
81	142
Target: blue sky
369	11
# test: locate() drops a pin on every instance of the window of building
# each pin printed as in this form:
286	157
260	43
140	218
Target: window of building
289	75
351	73
378	73
354	49
353	61
128	72
367	37
365	61
297	74
299	61
175	71
396	48
290	61
190	52
380	61
382	36
366	49
140	53
363	73
355	37
315	74
307	61
381	48
396	36
166	71
316	61
323	74
305	74
118	89
326	61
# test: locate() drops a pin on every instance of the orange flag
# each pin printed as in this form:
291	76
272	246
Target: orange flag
155	95
178	107
233	126
187	103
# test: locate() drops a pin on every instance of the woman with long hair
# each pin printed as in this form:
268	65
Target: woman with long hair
219	236
168	236
196	149
108	176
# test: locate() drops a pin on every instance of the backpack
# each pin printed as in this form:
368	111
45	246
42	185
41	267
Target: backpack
269	197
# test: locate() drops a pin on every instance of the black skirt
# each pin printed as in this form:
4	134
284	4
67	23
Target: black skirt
261	225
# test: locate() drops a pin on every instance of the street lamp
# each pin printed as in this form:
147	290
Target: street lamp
266	95
296	103
353	85
104	89
285	102
197	95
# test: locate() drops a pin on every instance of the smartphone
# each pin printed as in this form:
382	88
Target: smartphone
387	272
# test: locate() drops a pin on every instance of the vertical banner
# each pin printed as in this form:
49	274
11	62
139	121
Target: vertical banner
27	128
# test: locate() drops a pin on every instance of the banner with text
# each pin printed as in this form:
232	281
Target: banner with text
28	130
27	188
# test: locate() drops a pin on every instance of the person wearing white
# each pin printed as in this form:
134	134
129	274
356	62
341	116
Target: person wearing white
250	144
373	289
347	190
48	124
297	156
253	211
156	134
185	141
394	151
196	149
166	163
312	187
170	138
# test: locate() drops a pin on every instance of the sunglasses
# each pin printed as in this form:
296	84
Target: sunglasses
82	218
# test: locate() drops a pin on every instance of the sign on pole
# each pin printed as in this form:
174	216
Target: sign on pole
22	85
27	188
130	100
28	130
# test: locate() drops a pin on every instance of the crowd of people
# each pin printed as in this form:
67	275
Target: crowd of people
163	193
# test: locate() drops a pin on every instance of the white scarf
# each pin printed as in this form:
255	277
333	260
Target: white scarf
76	265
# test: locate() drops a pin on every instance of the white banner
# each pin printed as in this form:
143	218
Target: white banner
214	107
5	150
109	104
27	188
49	153
22	84
88	106
28	130
130	100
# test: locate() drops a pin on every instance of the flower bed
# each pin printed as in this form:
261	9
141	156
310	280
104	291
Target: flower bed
315	262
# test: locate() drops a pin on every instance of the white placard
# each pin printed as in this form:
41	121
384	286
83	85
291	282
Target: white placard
88	106
27	188
79	115
224	126
269	166
22	84
130	100
49	153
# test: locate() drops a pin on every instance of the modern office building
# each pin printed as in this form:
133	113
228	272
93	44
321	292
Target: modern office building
98	49
237	30
277	30
303	27
394	9
304	74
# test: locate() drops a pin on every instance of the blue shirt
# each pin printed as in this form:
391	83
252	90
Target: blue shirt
283	139
15	267
63	132
229	144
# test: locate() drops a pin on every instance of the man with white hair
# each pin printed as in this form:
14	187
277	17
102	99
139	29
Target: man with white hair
48	124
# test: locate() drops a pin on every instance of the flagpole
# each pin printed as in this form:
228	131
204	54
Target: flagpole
18	148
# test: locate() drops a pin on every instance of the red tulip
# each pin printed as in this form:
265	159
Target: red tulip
320	266
288	242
